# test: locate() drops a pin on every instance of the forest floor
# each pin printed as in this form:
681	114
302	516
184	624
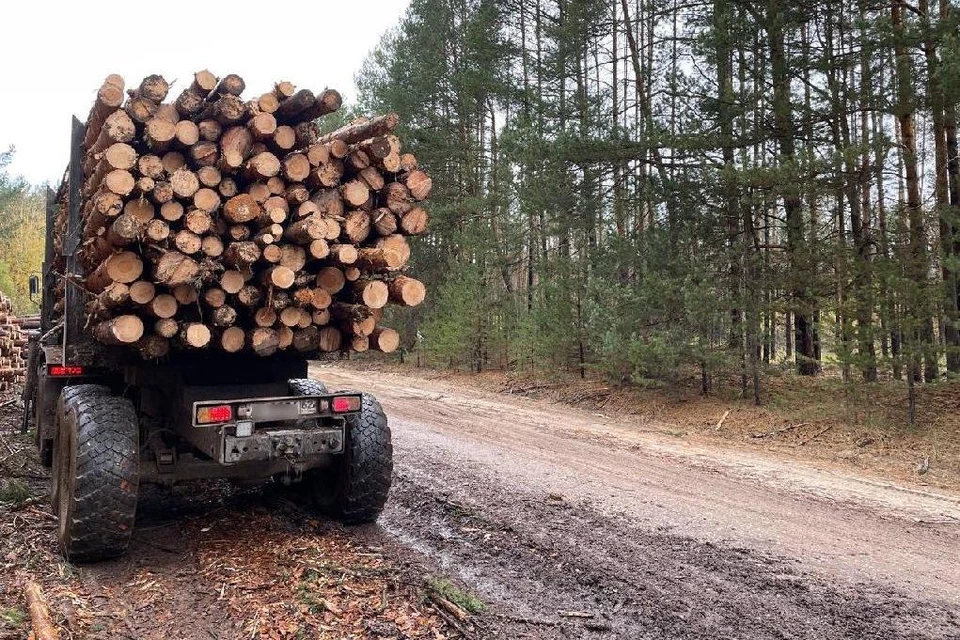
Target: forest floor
207	561
546	520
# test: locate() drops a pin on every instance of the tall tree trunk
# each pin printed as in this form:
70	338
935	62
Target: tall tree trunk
953	217
803	304
860	216
890	332
920	331
723	17
951	332
845	187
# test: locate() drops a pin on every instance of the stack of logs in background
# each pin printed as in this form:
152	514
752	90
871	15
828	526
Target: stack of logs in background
215	222
13	343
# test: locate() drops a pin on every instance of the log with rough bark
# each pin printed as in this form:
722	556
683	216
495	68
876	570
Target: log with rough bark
232	339
385	340
153	88
42	624
241	254
331	280
140	109
194	335
117	127
109	99
363	130
159	134
263	341
241	208
173	268
373	293
123	267
231	84
142	292
330	339
380	259
166	328
153	347
295	105
414	222
119	156
109	300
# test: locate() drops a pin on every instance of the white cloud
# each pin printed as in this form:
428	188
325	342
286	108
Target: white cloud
55	55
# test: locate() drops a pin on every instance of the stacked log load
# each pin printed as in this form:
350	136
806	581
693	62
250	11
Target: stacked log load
13	343
214	222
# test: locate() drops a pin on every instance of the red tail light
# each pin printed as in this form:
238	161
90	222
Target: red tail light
218	413
344	404
61	371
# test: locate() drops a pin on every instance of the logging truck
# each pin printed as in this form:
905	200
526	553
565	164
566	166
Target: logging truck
199	252
108	422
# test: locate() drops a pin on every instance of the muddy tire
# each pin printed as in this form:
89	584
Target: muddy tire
96	471
67	395
29	397
355	488
365	468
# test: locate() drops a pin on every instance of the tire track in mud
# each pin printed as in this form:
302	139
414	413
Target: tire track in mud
536	554
541	509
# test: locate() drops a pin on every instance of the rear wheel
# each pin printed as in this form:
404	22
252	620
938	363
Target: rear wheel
30	395
366	468
96	473
48	449
355	488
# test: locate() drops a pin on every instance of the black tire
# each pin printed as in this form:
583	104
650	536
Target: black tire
355	488
48	452
30	395
97	470
365	471
307	387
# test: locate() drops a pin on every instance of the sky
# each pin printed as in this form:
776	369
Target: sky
55	55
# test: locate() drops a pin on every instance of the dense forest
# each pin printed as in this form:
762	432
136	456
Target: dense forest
657	190
663	192
21	235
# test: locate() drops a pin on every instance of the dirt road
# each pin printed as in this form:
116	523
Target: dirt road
575	525
567	524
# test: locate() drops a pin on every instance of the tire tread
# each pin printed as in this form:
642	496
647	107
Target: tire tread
104	500
365	478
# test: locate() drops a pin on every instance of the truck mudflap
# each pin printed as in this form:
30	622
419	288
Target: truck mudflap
289	444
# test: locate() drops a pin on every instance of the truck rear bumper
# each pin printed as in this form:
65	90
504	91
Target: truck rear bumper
286	444
170	470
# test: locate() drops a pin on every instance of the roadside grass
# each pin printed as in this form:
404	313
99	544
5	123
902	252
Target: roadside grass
305	593
14	491
466	601
13	616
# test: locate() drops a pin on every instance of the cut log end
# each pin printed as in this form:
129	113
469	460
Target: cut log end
232	339
374	293
407	291
385	340
195	335
121	330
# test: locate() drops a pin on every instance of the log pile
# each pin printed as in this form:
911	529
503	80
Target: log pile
213	222
13	344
